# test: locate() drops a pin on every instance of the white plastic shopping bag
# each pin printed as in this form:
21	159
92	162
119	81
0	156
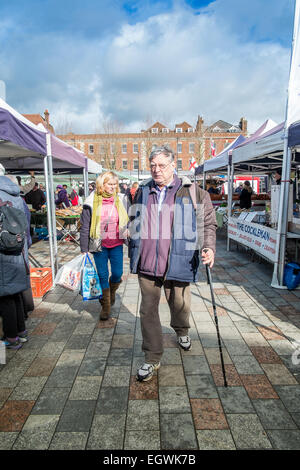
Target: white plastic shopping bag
90	283
69	275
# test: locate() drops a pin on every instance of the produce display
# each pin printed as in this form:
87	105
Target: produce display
70	211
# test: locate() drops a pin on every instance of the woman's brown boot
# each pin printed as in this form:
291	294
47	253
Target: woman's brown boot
113	289
105	302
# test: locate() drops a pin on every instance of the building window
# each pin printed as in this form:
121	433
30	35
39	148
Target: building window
179	147
124	164
135	164
165	130
178	130
191	147
113	148
190	129
124	148
102	148
179	164
103	163
135	148
154	130
91	149
113	164
154	147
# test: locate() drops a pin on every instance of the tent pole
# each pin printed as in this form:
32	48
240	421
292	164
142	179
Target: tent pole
229	196
51	193
86	180
204	180
49	217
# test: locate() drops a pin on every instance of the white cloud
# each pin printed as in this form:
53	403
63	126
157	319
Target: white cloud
186	65
171	66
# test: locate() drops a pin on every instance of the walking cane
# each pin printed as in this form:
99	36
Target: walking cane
209	281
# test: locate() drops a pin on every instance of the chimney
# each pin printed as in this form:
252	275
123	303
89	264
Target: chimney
199	124
46	113
243	125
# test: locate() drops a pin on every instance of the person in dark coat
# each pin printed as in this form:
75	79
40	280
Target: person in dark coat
245	196
14	278
35	197
62	197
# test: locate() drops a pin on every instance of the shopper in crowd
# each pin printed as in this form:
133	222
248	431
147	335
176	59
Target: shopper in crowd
245	196
104	216
74	197
172	225
130	193
62	200
81	195
35	197
14	278
277	176
25	188
213	188
91	187
239	188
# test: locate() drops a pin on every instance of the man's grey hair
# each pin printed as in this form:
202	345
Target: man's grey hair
165	150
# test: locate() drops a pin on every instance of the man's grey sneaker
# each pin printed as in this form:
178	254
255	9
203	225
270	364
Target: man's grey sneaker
146	371
184	342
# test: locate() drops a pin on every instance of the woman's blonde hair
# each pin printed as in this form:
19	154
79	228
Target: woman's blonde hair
104	178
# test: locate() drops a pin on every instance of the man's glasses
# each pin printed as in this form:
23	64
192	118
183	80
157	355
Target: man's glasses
160	166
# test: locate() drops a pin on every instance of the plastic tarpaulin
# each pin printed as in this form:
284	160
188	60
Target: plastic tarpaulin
221	160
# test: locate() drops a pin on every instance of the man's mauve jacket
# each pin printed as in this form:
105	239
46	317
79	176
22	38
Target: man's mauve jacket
166	243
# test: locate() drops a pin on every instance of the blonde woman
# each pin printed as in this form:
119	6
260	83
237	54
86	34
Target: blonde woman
104	216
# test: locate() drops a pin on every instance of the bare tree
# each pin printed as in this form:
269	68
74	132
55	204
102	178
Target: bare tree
64	125
109	148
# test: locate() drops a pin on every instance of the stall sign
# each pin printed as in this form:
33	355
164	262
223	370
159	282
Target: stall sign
258	237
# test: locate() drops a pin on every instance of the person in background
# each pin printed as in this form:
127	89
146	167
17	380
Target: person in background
14	278
104	216
130	193
62	200
81	195
25	188
239	188
74	196
91	187
245	196
213	188
277	176
123	188
35	197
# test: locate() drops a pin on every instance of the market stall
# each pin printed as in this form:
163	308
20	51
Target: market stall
257	228
25	146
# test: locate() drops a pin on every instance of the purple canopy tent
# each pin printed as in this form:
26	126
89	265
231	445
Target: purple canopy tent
23	145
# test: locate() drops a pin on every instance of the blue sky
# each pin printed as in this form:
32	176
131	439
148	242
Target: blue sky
132	62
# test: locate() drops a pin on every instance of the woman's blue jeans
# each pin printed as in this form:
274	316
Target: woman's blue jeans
115	256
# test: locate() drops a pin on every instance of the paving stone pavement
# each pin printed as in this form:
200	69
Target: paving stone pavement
73	386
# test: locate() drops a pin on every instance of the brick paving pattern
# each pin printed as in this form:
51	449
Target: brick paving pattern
73	386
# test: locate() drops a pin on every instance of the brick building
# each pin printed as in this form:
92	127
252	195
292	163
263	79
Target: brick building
130	151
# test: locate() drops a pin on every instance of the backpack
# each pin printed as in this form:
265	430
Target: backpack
13	225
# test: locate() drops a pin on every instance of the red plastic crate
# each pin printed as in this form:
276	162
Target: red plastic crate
41	281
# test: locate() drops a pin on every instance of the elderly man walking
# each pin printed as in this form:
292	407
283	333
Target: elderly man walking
172	223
